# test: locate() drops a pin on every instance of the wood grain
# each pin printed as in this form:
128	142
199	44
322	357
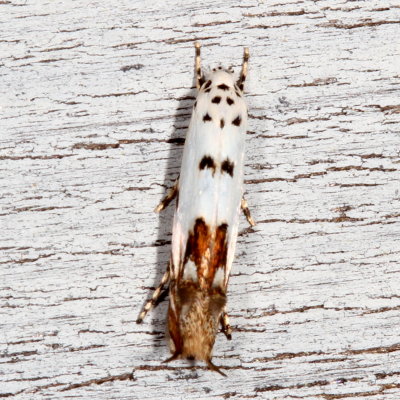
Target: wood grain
96	100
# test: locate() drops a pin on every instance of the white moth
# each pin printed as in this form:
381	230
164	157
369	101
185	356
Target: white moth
210	195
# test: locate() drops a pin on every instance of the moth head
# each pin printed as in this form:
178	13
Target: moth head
193	322
219	76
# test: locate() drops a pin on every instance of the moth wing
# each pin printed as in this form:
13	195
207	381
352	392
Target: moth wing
198	193
231	187
205	189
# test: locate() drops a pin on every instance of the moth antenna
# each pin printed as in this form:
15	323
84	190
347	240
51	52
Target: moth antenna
243	72
213	367
173	357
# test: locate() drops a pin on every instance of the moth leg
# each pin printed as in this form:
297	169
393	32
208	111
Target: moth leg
214	367
226	327
173	357
246	211
243	72
171	194
199	74
156	296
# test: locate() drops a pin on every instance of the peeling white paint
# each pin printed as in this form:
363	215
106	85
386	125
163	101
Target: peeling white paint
94	98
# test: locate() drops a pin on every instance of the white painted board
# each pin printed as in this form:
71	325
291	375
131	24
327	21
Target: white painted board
95	101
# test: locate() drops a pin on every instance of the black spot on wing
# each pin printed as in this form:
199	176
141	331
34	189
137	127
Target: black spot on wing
229	101
207	162
216	99
207	90
228	166
237	121
207	117
222	123
195	104
207	85
223	227
222	86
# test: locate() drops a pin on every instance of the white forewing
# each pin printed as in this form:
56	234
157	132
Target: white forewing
211	178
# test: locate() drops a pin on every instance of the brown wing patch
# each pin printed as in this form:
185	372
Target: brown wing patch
219	252
197	243
207	250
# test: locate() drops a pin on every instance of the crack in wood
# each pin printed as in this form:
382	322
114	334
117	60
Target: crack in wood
26	353
279	13
374	350
214	23
360	168
49	60
96	96
316	82
272	388
28	260
384	375
96	146
288	356
340	25
99	381
341	218
127	68
48	157
260	26
381	310
61	48
379	391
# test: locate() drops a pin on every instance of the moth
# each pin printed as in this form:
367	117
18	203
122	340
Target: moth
209	192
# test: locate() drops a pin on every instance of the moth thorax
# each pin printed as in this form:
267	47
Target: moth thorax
219	77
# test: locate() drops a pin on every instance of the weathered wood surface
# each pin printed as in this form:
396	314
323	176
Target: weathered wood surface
95	100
